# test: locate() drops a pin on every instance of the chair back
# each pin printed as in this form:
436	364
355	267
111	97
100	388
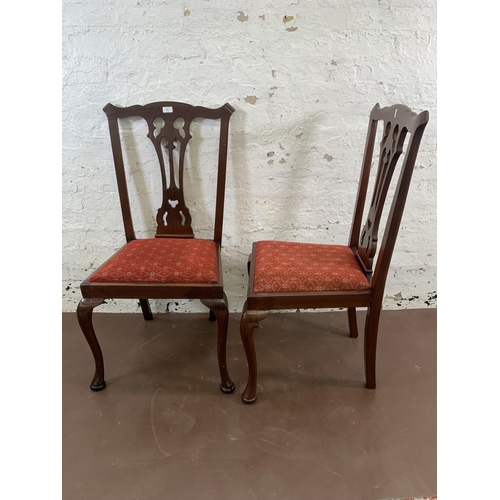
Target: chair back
168	129
399	123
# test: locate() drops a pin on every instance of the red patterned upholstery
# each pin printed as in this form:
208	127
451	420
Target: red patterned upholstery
306	267
161	260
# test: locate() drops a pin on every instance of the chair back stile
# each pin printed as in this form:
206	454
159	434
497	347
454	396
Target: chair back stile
221	176
363	186
120	174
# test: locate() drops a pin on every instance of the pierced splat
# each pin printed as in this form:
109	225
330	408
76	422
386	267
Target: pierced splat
168	133
391	147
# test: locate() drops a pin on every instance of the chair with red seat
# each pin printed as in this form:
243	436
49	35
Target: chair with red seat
174	264
286	275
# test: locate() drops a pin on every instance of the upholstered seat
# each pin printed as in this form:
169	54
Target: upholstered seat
282	266
161	260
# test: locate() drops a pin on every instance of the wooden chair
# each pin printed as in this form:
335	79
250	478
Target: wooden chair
284	275
174	264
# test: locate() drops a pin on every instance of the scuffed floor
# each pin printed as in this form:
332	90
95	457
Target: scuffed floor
162	429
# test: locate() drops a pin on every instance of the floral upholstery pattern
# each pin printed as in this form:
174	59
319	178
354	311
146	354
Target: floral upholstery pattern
306	267
161	260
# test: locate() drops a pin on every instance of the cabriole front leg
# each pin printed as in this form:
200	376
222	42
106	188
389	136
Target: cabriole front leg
249	319
218	307
84	314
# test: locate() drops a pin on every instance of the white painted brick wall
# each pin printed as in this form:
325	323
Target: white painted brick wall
303	77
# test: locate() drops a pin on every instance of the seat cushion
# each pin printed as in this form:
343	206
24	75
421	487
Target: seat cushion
161	260
306	267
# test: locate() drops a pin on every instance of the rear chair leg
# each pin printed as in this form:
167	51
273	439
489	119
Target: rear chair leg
218	307
146	310
353	326
84	314
371	333
249	319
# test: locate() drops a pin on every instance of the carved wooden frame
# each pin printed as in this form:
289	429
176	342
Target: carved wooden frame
173	221
399	122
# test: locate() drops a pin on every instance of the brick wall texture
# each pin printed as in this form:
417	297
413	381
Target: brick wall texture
302	76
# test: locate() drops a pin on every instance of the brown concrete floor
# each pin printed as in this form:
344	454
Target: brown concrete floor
162	429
